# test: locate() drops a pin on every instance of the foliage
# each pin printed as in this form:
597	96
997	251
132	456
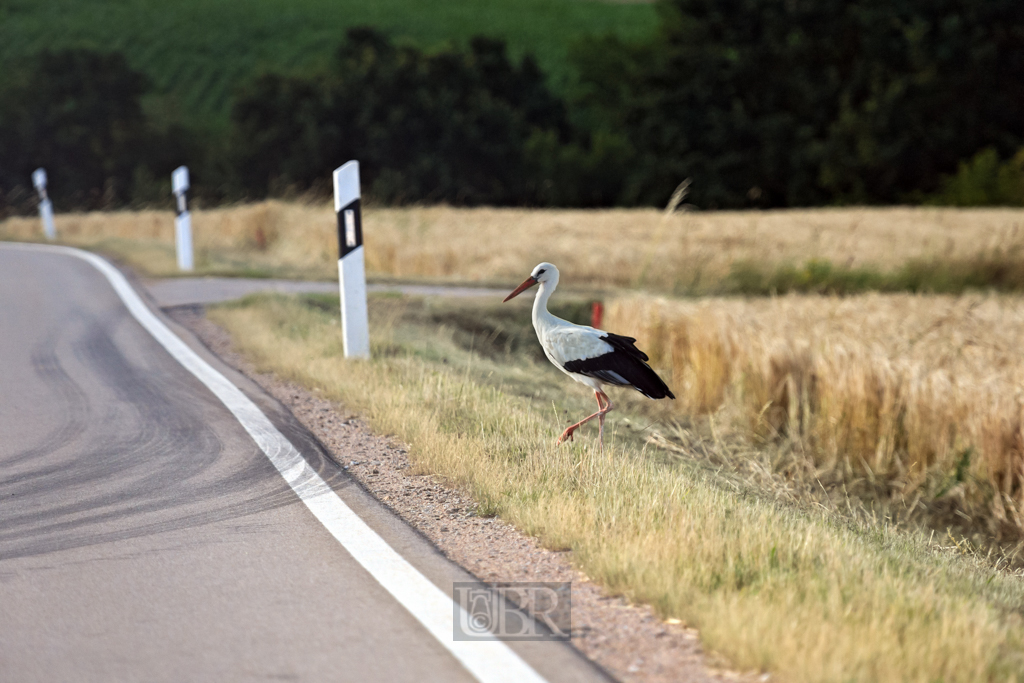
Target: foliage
764	103
455	125
78	114
984	180
196	52
784	103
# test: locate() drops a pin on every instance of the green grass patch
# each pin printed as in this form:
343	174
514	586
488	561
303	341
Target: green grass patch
1002	272
800	591
197	51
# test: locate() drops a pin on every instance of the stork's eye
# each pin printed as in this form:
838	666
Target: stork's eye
540	272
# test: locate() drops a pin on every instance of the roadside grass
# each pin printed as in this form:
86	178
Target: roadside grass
772	584
841	251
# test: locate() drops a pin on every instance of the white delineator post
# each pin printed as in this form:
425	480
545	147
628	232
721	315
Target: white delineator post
351	266
183	219
45	205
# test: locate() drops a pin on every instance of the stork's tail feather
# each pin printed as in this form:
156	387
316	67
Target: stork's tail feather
645	380
652	386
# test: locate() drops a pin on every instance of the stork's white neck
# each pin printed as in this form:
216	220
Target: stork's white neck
542	318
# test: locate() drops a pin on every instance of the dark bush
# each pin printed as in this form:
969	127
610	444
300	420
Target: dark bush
803	102
984	180
78	114
456	125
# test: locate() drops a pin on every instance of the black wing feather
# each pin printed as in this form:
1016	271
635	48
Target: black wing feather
625	365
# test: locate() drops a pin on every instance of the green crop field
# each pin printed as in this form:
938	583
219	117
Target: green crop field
197	51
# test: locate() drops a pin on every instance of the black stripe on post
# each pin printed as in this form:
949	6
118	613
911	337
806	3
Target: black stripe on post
350	228
181	203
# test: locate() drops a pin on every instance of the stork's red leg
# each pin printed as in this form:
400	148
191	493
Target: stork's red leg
601	411
604	411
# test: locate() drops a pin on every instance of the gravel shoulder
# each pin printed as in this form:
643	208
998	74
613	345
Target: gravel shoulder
628	640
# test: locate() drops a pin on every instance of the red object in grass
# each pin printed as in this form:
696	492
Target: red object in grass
596	314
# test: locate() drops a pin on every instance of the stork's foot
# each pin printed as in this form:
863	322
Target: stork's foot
567	435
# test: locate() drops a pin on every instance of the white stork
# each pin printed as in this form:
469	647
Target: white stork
588	355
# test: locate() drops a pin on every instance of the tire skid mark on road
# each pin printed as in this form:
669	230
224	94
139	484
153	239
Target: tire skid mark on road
47	367
74	489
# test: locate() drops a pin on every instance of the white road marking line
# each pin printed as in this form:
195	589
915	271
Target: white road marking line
488	661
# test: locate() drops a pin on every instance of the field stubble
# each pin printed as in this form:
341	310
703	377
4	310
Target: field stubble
682	253
913	403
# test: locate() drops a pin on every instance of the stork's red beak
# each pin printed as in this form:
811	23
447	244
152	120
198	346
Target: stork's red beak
529	282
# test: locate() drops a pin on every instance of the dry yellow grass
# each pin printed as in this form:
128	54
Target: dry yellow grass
919	395
803	594
273	238
622	248
609	248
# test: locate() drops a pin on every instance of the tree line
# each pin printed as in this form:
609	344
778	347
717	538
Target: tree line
762	103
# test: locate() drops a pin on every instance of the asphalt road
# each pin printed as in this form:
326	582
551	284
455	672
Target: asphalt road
182	291
145	537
